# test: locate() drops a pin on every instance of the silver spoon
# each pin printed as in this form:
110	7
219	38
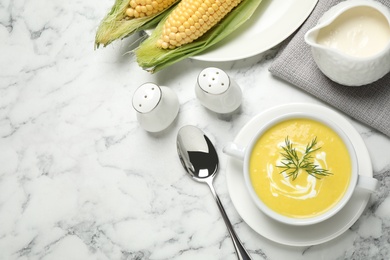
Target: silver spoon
199	158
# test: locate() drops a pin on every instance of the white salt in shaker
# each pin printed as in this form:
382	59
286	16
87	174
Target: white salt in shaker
156	106
217	91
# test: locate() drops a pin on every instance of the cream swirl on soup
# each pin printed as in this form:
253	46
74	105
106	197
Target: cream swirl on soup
304	187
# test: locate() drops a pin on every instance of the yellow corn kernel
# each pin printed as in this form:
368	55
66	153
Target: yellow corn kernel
191	19
141	8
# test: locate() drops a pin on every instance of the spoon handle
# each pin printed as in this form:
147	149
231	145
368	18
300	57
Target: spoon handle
240	250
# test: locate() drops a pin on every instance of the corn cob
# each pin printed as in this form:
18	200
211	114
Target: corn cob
141	8
191	19
155	53
129	16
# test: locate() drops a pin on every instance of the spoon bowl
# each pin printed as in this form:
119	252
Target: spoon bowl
197	154
200	159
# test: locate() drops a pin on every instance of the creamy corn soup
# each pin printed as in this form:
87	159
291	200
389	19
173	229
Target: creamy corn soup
307	195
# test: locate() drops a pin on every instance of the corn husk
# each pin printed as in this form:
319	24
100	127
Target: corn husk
116	25
153	59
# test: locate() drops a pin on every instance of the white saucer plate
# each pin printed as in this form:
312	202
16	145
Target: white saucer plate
297	235
273	22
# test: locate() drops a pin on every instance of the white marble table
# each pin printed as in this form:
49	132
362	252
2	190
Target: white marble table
79	178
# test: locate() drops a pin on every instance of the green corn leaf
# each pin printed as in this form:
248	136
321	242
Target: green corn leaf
153	59
116	25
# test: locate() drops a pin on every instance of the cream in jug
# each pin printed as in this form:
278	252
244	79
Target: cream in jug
359	33
351	42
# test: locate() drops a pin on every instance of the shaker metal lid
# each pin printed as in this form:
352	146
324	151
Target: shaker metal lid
146	97
213	80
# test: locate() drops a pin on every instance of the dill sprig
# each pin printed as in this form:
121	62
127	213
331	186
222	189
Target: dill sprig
292	164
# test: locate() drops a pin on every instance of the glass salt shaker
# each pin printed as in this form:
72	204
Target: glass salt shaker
217	91
156	106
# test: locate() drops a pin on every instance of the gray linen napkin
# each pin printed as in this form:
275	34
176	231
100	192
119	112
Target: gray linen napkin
369	104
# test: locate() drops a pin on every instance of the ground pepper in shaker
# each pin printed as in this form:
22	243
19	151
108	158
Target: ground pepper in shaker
217	91
156	106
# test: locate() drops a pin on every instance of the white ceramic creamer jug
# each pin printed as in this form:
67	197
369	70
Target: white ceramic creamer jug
351	42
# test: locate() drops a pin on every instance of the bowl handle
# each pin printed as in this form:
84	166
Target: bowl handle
367	183
234	150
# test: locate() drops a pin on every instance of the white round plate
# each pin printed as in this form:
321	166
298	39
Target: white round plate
273	22
296	235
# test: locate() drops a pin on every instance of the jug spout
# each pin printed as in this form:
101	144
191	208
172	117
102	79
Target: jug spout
318	49
311	36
